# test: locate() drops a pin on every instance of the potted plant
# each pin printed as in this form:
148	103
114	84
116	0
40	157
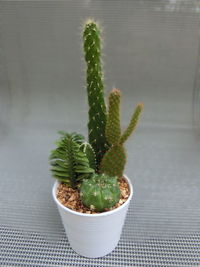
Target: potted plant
91	191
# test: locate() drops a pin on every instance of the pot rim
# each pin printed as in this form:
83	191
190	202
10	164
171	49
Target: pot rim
107	213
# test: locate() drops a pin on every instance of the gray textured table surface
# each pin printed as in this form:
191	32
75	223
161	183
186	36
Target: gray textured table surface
151	54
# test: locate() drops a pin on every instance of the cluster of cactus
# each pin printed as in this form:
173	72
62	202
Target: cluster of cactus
95	167
100	192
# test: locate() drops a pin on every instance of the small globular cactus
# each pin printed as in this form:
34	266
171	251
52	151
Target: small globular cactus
100	192
114	160
95	89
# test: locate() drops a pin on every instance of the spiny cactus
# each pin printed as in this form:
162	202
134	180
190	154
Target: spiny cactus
113	130
95	89
100	192
89	152
133	123
69	162
114	160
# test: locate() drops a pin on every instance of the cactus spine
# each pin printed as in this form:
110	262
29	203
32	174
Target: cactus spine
100	192
95	89
114	160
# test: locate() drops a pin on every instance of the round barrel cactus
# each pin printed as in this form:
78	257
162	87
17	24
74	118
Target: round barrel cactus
100	192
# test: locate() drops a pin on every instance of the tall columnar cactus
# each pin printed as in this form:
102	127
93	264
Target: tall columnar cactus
100	192
114	160
95	89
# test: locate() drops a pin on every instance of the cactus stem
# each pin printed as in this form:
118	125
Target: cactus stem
114	159
92	49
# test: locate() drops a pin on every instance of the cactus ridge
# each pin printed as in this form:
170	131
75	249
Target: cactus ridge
95	89
114	160
100	192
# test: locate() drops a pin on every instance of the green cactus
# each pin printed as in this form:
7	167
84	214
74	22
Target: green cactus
89	152
133	123
113	129
100	192
95	89
69	162
114	160
94	167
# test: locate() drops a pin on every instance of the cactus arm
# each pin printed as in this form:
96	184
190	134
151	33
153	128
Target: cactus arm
133	123
113	130
95	89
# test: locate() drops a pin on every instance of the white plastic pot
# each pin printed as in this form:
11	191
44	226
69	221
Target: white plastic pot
93	235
